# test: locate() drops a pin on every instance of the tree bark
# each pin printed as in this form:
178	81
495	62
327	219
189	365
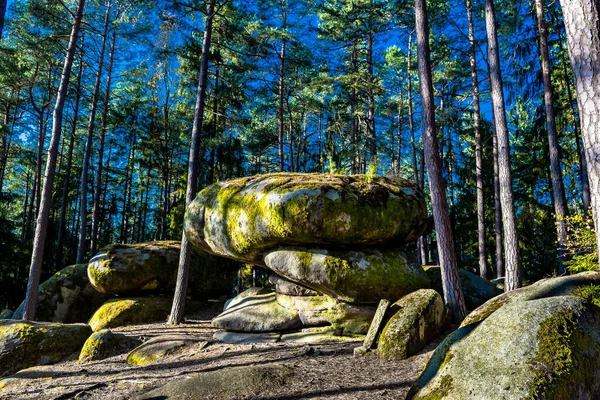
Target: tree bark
98	183
478	147
67	182
177	310
282	85
83	217
558	188
511	244
497	212
371	136
39	239
582	22
453	296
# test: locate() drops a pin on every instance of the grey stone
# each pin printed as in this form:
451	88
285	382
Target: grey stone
160	347
376	324
285	286
246	338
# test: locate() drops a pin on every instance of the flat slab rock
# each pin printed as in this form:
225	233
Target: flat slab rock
241	218
161	347
355	276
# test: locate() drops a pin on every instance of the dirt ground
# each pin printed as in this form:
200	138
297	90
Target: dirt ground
322	371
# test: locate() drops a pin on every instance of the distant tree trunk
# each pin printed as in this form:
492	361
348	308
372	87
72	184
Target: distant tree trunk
478	148
39	240
98	183
371	136
67	182
282	56
558	188
127	190
511	244
177	310
83	217
2	14
354	119
453	296
582	21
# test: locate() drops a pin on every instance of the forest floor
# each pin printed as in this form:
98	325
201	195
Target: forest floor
320	371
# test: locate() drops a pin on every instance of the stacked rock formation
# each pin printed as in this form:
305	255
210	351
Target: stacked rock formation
333	242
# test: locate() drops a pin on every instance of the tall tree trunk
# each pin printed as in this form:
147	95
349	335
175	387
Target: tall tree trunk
497	212
453	296
98	183
354	118
282	56
83	217
177	310
558	188
371	136
39	240
511	244
582	21
67	182
478	148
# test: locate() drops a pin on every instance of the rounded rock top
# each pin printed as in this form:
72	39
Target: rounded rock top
241	218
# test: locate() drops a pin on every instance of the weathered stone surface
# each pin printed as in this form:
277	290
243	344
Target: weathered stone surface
246	338
254	291
376	324
421	318
498	282
243	217
551	287
317	335
364	276
544	348
347	319
152	266
104	344
66	296
161	347
284	286
6	314
257	313
227	383
476	290
24	344
123	312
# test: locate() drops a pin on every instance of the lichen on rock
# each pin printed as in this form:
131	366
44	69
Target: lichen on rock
420	317
152	266
123	312
104	344
243	217
67	297
357	276
24	344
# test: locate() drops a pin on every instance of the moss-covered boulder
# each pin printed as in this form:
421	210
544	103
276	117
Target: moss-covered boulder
152	266
160	347
257	313
24	344
104	344
577	284
245	382
6	314
544	348
344	318
67	296
243	217
285	286
421	317
361	276
476	290
123	312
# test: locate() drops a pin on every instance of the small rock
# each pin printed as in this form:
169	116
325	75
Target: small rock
104	344
160	347
123	312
